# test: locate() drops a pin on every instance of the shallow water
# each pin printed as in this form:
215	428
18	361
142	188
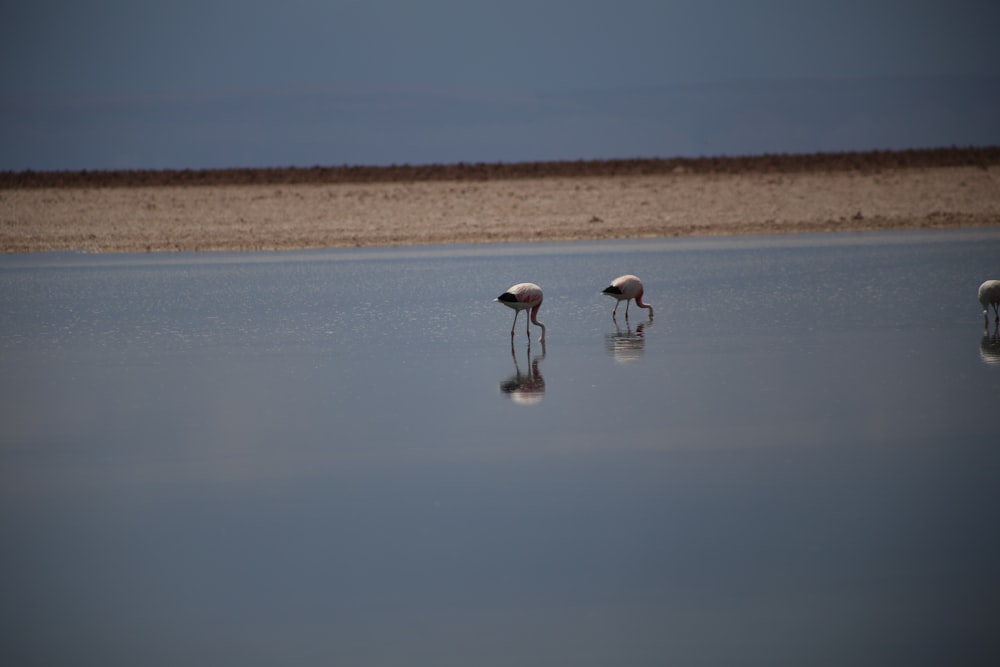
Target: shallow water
340	457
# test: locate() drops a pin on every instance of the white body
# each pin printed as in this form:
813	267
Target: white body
626	288
524	296
989	295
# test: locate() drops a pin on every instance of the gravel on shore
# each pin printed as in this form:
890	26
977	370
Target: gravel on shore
261	209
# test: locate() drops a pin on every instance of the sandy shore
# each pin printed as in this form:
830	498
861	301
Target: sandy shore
202	211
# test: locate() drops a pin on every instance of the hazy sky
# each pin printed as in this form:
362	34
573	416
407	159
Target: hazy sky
108	84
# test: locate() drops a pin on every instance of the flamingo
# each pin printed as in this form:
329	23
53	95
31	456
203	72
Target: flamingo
989	295
625	288
521	297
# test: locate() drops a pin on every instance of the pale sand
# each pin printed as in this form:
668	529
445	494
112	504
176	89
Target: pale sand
258	217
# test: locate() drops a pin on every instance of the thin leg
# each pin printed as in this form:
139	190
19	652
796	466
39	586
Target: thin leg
615	311
527	325
516	313
627	303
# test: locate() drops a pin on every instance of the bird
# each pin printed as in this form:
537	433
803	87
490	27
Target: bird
523	296
625	288
989	295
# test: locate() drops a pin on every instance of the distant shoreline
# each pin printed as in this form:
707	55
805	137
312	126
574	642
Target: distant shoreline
278	209
863	161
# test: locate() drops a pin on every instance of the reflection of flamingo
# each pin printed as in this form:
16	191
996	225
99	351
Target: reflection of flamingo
625	288
989	295
989	345
521	297
626	346
525	388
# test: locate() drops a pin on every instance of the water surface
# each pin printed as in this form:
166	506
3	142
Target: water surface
341	457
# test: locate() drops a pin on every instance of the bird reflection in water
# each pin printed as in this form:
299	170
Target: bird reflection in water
626	346
525	388
989	345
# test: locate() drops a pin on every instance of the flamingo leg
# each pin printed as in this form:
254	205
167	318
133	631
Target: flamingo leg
627	302
615	311
516	313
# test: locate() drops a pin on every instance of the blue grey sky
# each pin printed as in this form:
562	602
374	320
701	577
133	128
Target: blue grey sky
209	83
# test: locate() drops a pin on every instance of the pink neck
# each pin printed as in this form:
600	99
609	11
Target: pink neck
534	320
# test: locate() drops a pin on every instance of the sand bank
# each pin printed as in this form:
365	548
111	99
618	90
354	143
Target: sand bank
260	213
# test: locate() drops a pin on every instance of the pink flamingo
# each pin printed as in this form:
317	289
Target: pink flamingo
521	297
989	295
625	288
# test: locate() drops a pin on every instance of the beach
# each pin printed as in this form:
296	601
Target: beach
277	209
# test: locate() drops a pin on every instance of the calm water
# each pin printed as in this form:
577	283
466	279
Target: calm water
338	457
